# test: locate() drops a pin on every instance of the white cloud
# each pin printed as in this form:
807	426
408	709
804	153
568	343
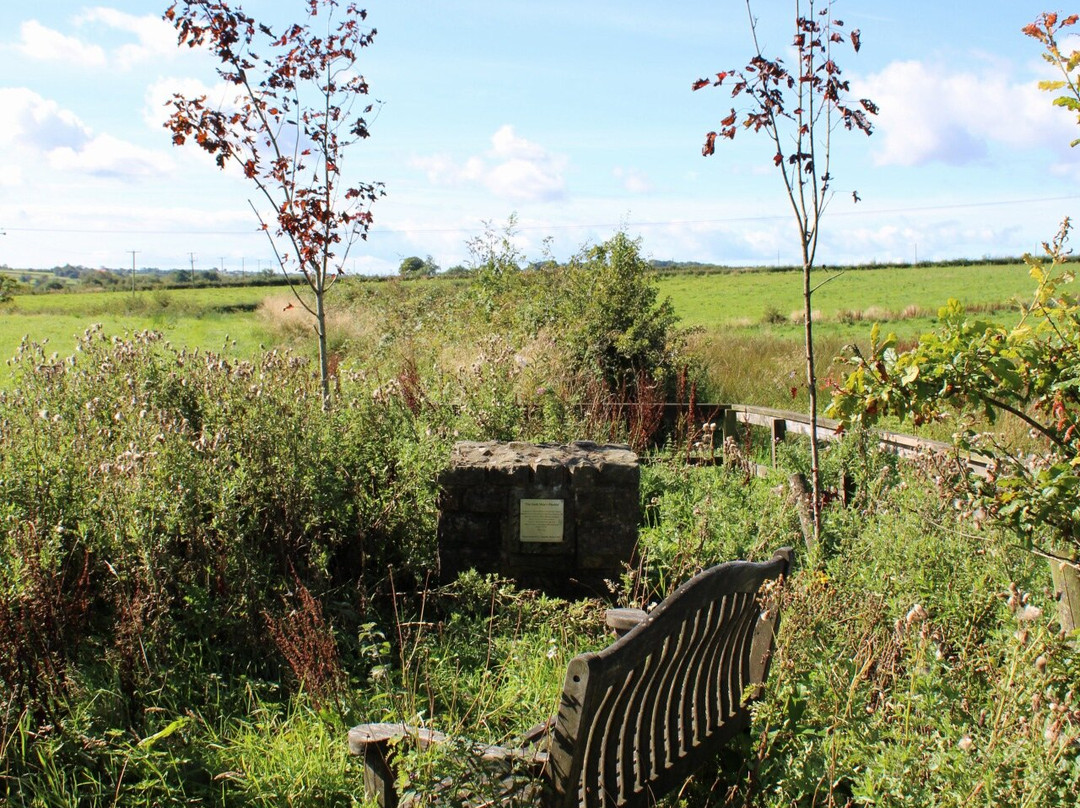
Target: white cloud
39	42
11	176
155	37
33	128
515	169
110	157
931	115
633	180
28	121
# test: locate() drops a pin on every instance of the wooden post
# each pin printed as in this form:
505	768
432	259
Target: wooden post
1067	591
779	432
847	488
730	427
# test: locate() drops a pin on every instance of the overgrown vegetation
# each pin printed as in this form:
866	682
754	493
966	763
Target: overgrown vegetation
204	586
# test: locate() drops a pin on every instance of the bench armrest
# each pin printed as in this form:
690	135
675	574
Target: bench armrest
373	743
622	620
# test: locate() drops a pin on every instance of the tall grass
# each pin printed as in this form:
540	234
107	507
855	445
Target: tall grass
746	366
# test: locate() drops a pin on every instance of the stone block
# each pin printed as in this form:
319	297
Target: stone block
480	523
484	499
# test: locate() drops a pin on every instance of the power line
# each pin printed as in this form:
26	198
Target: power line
862	212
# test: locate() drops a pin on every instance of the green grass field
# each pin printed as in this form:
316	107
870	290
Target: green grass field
207	318
745	298
749	336
742	317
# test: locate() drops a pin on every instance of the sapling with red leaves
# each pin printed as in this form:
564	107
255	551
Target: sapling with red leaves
300	104
798	108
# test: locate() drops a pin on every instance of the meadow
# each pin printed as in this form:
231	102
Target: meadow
734	316
205	578
846	296
209	318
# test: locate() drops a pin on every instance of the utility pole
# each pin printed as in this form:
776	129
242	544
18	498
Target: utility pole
191	277
243	274
133	254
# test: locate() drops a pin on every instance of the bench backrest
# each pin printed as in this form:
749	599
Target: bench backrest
637	718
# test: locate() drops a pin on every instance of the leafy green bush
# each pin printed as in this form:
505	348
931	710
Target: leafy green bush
973	366
613	320
601	308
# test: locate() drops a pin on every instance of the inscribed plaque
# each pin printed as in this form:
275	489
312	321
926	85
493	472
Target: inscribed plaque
542	520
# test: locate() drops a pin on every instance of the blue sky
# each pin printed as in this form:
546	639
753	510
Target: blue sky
575	115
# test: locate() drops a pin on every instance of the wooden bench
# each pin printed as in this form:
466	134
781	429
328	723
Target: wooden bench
639	717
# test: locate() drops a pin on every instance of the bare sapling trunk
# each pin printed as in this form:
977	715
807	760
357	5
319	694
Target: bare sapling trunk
812	392
324	357
798	110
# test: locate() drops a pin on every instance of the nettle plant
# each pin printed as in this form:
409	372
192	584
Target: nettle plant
798	108
296	112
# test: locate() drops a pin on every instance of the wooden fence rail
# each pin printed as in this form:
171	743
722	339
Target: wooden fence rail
723	420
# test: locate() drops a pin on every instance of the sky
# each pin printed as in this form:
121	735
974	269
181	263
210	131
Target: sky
575	116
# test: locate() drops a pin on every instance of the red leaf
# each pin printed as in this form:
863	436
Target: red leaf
778	159
697	85
723	74
729	120
710	144
856	41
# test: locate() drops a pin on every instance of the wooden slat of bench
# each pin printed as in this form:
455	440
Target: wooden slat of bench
640	714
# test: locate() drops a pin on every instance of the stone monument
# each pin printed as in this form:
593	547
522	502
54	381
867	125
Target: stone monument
560	518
